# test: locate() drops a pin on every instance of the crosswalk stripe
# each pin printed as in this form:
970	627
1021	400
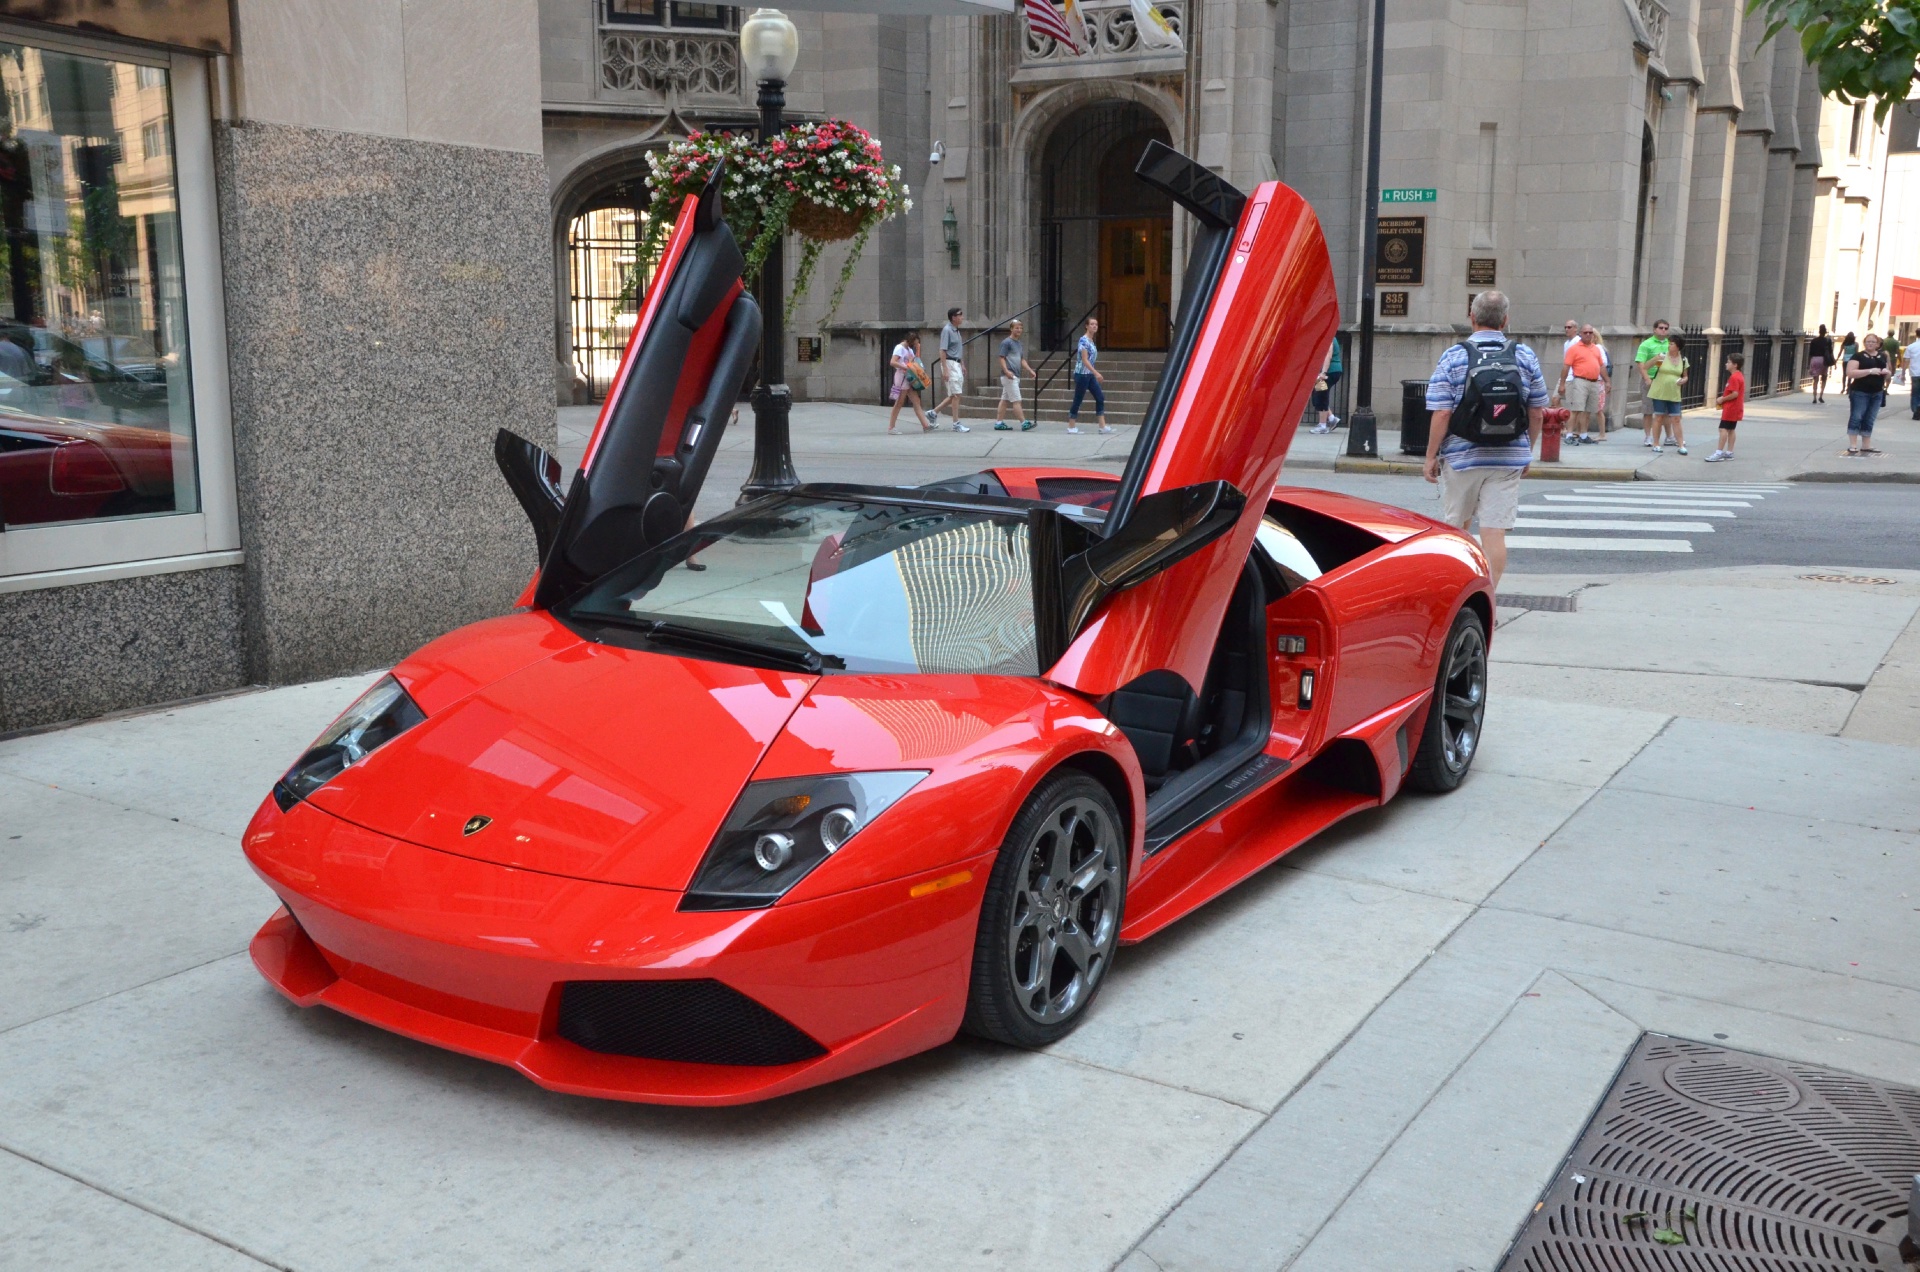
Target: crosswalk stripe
1706	485
1661	527
1594	544
1638	510
1650	501
1709	486
1673	496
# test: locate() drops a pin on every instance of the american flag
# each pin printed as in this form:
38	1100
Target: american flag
1044	19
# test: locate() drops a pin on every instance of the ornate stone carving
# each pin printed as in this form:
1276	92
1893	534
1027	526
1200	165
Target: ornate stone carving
671	68
1654	14
1110	32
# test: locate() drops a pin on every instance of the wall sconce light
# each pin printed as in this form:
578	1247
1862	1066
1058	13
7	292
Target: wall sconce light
950	227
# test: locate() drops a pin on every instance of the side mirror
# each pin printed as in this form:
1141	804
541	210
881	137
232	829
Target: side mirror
1161	530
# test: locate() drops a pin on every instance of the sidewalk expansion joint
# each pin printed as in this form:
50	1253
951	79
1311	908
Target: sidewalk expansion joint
137	1204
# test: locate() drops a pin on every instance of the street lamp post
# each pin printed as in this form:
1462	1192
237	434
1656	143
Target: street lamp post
769	46
1362	431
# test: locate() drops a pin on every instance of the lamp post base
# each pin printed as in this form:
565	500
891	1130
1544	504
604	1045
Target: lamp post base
1362	433
772	445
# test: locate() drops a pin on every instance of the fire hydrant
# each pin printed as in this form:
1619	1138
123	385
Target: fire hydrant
1553	421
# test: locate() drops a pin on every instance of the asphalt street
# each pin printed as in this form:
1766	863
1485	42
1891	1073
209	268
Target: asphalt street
1863	526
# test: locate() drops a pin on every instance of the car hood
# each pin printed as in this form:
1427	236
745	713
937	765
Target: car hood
597	763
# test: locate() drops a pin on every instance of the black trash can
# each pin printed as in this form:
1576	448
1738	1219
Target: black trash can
1415	419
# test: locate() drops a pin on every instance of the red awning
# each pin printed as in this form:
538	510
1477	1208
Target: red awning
1906	297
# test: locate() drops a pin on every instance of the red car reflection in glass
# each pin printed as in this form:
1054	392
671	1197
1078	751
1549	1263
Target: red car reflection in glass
54	470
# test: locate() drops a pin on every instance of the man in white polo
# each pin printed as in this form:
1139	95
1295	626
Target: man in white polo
1482	482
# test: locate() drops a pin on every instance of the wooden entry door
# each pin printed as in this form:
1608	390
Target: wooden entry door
1136	267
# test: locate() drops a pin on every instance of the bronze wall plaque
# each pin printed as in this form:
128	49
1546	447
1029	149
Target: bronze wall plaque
1393	304
807	348
1400	251
204	26
1480	271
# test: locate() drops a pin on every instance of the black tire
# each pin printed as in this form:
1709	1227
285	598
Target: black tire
1452	736
1048	934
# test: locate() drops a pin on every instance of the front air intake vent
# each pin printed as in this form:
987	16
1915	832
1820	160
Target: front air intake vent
701	1021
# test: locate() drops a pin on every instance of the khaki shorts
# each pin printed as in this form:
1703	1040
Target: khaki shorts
1490	494
1009	390
956	378
1581	395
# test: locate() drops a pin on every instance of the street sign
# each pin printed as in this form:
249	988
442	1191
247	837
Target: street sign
1410	194
1400	251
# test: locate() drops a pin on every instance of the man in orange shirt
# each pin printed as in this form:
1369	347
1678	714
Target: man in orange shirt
1581	377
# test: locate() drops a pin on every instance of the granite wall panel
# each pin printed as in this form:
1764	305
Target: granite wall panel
389	303
71	652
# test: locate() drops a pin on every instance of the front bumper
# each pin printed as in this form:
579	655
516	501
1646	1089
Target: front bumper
472	956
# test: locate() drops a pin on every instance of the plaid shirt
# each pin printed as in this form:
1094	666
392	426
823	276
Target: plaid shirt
1448	385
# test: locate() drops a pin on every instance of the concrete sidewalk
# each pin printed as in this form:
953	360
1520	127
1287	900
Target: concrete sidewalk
1373	1055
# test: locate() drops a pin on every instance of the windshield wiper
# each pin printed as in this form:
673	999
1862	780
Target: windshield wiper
706	638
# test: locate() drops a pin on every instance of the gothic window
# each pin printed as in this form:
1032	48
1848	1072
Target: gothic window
670	13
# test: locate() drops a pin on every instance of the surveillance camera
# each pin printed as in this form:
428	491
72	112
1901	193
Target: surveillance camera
939	152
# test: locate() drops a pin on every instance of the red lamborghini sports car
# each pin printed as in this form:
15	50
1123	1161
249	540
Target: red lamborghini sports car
724	812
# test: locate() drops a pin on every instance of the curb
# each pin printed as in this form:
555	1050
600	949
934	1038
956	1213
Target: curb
1414	468
1912	479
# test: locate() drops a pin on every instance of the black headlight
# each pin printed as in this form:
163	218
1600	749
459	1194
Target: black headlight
779	831
382	714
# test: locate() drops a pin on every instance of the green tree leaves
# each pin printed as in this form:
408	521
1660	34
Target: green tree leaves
1861	49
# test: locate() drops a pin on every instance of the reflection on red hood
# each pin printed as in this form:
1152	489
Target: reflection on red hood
596	763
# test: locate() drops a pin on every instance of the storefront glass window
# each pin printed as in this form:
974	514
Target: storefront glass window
96	412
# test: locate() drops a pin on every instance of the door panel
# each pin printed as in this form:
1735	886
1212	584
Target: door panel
657	435
1258	309
1136	258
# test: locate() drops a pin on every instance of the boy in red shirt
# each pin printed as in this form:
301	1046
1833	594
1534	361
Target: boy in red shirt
1733	407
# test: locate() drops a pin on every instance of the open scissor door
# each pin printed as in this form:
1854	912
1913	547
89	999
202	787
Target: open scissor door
1257	311
692	345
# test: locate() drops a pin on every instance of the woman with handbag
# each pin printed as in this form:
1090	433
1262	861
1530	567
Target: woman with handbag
909	382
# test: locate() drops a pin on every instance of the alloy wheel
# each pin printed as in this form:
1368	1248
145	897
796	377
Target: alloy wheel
1066	910
1465	697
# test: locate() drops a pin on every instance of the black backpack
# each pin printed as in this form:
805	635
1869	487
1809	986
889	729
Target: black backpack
1493	409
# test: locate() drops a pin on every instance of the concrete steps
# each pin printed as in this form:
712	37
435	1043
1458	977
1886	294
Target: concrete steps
1130	380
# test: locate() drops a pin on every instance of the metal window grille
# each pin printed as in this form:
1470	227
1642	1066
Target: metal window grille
1698	351
603	298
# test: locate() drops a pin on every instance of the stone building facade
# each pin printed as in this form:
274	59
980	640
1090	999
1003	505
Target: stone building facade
1614	161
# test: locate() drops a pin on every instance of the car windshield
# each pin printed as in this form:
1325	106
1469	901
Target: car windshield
866	585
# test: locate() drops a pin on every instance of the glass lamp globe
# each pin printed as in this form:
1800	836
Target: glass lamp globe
769	45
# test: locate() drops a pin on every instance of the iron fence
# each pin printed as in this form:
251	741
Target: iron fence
1760	374
1792	358
1698	351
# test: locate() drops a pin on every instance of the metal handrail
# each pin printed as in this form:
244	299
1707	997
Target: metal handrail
1002	323
1077	323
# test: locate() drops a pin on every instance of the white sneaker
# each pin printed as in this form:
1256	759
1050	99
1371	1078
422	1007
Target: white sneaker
958	427
1716	457
1683	448
1320	428
1073	428
1648	445
1333	421
1106	428
1659	450
933	418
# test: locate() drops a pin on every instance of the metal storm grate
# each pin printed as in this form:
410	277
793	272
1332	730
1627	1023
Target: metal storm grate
1848	578
1707	1159
1529	601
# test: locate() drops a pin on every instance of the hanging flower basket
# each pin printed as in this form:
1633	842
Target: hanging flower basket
820	224
826	182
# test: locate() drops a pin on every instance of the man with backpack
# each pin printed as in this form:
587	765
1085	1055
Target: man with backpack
1486	395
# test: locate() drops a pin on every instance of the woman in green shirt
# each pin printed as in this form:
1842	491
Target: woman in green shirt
1663	398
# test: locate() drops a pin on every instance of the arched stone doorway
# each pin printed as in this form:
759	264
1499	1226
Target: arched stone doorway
598	214
1106	239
